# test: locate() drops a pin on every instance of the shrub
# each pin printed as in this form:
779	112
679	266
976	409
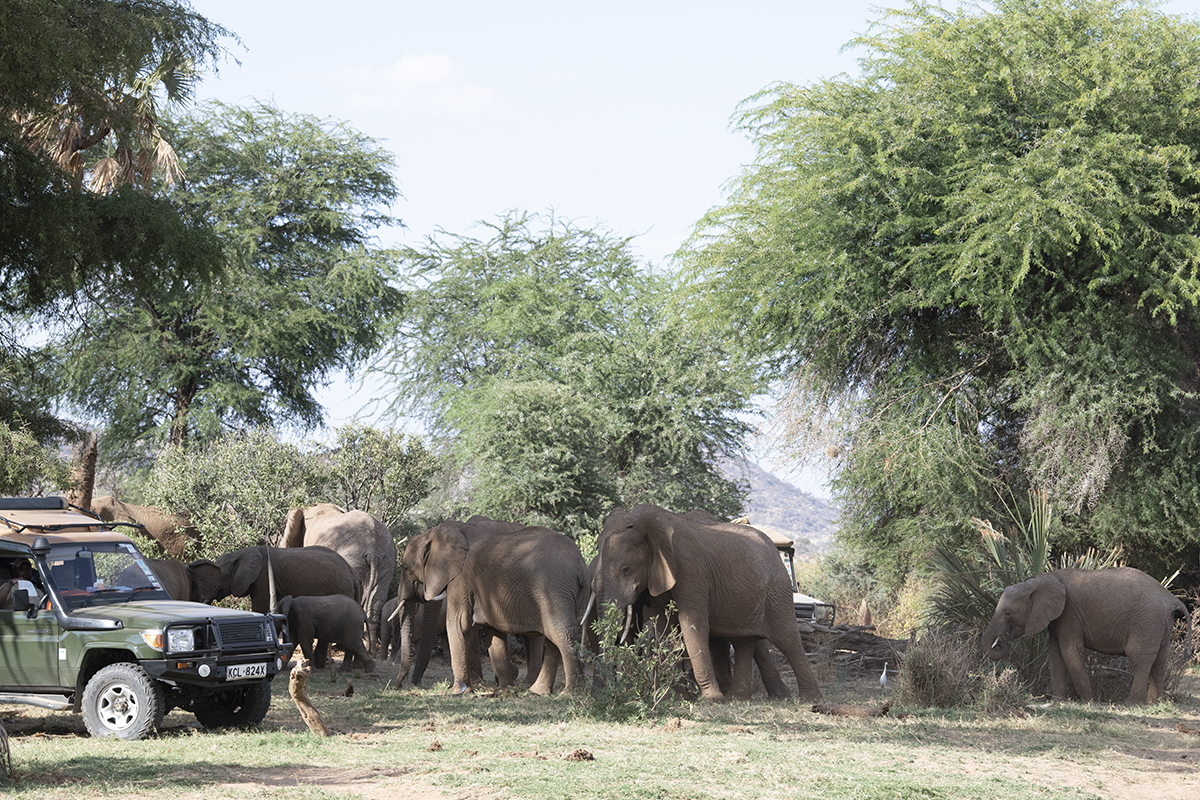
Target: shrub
28	467
940	668
637	679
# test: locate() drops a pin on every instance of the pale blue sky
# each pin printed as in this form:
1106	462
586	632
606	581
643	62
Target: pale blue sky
614	114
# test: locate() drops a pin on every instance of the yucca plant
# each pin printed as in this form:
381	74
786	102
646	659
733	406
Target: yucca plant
970	583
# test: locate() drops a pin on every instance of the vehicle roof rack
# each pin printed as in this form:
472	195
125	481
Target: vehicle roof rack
33	503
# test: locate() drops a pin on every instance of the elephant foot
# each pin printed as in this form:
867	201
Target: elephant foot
541	689
461	689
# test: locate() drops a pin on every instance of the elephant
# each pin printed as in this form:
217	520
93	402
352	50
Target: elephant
174	575
362	540
527	581
725	579
331	618
311	571
426	636
1117	611
171	532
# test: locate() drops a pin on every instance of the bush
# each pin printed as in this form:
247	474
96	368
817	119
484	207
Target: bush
28	468
638	679
940	670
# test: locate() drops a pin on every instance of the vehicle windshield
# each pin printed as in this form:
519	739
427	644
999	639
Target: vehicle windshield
102	574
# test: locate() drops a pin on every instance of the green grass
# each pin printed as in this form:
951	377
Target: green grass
518	746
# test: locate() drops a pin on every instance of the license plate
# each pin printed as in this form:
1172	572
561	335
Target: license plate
236	672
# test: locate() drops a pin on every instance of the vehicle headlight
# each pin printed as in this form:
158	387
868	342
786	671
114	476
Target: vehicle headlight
181	640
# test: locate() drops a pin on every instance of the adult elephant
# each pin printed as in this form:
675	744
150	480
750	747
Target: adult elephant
362	540
311	571
1118	611
171	532
725	579
530	581
174	576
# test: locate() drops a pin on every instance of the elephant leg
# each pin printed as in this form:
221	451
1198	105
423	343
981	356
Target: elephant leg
1067	659
460	652
306	648
787	639
695	641
1058	668
771	679
506	673
358	657
320	653
548	672
1158	674
535	651
1148	676
743	667
720	659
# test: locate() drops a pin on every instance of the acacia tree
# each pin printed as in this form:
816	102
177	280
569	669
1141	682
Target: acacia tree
303	290
976	267
558	369
80	84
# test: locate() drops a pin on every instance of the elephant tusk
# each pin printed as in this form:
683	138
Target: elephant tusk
628	623
588	610
996	643
441	596
396	613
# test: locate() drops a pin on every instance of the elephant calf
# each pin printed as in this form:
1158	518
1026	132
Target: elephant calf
1119	611
328	618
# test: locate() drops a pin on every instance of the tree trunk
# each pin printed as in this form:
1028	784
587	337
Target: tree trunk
312	718
83	474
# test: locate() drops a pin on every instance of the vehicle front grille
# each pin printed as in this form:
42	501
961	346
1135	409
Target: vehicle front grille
242	633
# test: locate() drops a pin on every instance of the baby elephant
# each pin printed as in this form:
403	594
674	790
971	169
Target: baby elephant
1115	611
332	618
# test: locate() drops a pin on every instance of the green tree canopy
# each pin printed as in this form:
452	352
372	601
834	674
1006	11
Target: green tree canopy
76	78
976	264
303	291
237	488
565	377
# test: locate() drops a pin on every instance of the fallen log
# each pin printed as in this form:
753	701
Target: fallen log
308	712
839	710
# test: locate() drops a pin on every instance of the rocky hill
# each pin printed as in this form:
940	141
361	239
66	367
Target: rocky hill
776	504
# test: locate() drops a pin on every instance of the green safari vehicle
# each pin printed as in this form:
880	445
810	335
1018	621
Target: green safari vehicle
90	629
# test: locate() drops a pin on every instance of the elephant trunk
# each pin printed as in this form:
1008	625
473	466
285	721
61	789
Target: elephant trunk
405	610
995	643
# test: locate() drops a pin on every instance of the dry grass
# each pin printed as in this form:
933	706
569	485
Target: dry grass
426	744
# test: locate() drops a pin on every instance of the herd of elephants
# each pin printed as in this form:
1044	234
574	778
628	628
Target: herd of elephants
481	581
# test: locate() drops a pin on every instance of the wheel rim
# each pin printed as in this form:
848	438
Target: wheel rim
118	707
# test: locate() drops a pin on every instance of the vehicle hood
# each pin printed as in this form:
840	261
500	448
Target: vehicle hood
150	612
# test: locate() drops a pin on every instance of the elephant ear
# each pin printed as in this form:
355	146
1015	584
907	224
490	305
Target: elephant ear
244	570
1047	599
660	533
293	529
443	557
285	604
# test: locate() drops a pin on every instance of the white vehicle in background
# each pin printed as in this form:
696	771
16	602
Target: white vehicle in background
808	609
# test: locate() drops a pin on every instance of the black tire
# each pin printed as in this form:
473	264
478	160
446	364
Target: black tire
122	701
238	707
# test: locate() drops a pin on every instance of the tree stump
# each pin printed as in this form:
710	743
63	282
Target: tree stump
308	712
